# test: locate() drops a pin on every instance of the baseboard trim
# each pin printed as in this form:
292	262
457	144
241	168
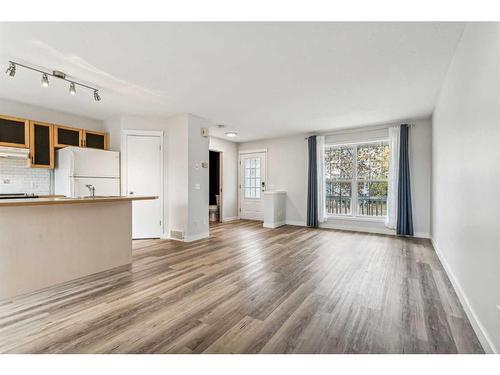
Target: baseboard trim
196	237
483	337
232	218
353	228
296	223
273	225
422	235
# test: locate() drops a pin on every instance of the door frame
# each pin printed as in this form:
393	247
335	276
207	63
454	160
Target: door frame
221	182
123	166
243	152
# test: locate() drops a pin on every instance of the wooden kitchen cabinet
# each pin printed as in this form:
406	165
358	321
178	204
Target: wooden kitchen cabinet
67	136
14	132
41	145
94	139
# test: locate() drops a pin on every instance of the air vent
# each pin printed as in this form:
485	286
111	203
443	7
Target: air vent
176	234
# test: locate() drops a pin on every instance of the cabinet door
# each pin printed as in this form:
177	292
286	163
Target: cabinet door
41	145
95	140
14	132
66	136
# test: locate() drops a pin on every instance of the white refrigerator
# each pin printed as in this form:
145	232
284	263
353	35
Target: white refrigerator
77	167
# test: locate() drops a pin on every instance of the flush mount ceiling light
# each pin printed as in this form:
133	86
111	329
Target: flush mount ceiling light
11	71
231	134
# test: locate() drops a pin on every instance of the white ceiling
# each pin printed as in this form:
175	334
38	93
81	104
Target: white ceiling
260	79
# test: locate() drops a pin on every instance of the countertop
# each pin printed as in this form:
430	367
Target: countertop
65	200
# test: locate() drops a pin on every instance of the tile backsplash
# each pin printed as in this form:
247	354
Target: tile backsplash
16	177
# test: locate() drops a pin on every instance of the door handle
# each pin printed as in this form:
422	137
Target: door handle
263	184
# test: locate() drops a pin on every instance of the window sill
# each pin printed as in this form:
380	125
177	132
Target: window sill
357	218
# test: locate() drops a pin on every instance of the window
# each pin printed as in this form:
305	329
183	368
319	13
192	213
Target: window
252	178
356	179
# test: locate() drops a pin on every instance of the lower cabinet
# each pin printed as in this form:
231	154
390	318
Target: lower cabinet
41	145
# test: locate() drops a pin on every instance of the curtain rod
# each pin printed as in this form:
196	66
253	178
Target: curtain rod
361	129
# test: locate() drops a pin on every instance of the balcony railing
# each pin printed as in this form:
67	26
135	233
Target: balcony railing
375	207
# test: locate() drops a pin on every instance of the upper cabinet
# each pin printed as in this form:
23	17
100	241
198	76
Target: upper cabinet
66	136
95	139
14	132
41	145
42	138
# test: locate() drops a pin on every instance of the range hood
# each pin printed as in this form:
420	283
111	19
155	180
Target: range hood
14	152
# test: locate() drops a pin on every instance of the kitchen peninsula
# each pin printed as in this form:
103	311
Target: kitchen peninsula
48	241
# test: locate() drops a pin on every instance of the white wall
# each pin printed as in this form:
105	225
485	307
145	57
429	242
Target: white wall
184	150
229	176
16	109
198	181
15	175
287	170
466	177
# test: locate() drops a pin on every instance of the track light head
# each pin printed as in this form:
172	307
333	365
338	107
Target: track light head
97	97
11	70
45	80
72	89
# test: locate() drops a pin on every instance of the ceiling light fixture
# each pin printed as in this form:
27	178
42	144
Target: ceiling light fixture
231	134
45	80
72	88
11	71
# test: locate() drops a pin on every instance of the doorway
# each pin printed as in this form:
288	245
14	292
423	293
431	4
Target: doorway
142	174
215	213
253	166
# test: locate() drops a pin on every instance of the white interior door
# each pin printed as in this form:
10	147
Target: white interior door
252	185
143	176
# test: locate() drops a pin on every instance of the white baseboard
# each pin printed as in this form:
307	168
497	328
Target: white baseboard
296	223
354	228
273	225
232	218
196	237
483	337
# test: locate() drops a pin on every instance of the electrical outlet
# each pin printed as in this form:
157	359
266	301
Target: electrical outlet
6	181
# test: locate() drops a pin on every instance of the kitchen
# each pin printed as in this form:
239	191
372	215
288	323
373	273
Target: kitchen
61	210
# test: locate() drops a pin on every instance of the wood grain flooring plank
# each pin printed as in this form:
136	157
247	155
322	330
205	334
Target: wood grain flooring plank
249	289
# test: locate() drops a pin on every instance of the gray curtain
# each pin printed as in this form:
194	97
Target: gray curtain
405	222
312	184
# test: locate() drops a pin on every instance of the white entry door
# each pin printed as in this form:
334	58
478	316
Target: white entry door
143	176
252	185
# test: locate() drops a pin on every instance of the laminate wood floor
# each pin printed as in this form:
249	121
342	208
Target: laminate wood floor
247	289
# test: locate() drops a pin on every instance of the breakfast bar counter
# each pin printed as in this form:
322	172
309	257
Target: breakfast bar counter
52	240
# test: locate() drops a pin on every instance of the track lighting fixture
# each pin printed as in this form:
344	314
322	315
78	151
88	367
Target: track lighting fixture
11	71
45	80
